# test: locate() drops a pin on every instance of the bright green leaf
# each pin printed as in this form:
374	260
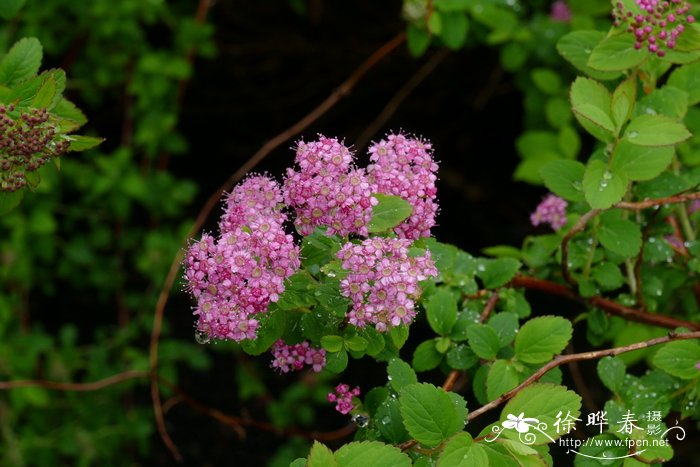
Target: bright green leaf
426	357
641	162
502	377
576	48
83	143
541	338
21	62
389	212
623	100
564	178
679	359
616	53
484	341
611	371
655	130
462	451
321	456
429	413
441	311
400	374
687	78
621	236
332	343
365	453
497	272
602	187
455	27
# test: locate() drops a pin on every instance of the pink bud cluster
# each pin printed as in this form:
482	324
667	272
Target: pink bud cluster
327	190
343	398
382	281
404	167
657	26
552	211
288	358
236	276
27	141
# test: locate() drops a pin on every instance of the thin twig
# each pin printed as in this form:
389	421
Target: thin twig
343	90
398	98
650	203
614	308
490	305
579	226
577	357
81	387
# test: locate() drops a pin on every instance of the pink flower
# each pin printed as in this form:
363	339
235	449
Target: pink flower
552	211
560	11
659	24
382	281
404	166
343	398
293	357
236	275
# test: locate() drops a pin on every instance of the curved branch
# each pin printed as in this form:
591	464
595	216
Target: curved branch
610	306
650	203
577	357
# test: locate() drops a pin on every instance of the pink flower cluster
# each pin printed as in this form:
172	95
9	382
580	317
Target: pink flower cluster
327	190
552	211
560	11
235	276
382	281
658	25
288	358
404	167
343	398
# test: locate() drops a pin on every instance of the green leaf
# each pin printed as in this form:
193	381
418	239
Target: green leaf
441	311
502	378
461	357
497	272
429	413
390	421
602	187
590	102
620	236
452	5
655	130
70	118
611	371
21	62
564	178
687	78
426	357
462	451
318	249
576	48
616	53
640	162
389	212
398	335
417	40
336	362
9	200
601	447
400	374
9	8
455	27
543	401
623	100
355	343
365	453
332	343
506	326
608	275
546	80
484	341
272	326
679	359
669	100
83	143
321	456
541	338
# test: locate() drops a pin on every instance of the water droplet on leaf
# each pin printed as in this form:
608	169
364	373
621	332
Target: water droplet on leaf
360	420
201	337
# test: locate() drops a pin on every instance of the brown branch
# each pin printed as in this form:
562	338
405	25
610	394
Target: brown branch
400	96
650	203
610	306
490	305
579	226
577	357
343	90
82	387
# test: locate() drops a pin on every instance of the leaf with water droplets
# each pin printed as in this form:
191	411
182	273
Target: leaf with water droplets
640	162
362	454
400	374
620	236
602	187
462	451
429	413
655	130
563	178
576	48
679	359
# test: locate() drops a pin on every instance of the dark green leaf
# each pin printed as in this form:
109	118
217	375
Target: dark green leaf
502	377
611	371
336	362
497	272
484	341
564	178
461	357
576	47
9	200
455	26
541	338
429	414
400	374
365	453
83	143
602	187
441	311
679	359
462	451
506	326
621	236
426	357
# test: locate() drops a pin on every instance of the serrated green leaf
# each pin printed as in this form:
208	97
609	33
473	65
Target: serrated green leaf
602	187
669	100
461	451
429	414
389	212
332	343
321	456
441	311
21	62
621	236
616	53
623	100
590	102
687	78
390	421
364	453
70	118
336	362
611	371
502	377
426	357
461	357
546	80
497	272
576	48
83	143
541	338
641	162
484	341
564	178
655	130
543	401
679	359
608	275
271	328
398	335
506	326
400	374
318	249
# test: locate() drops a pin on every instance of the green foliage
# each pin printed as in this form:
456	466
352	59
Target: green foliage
389	212
429	414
